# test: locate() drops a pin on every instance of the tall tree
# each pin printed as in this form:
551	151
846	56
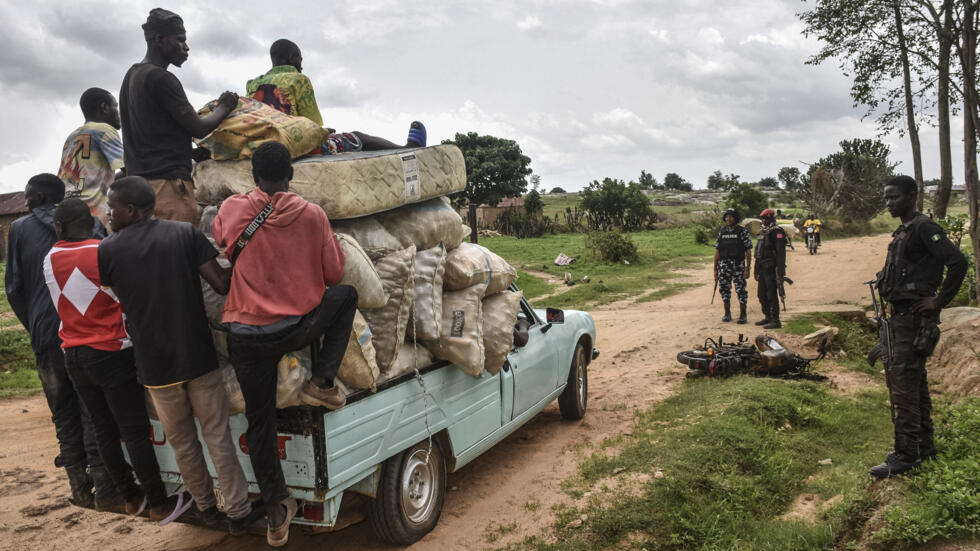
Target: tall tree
495	168
789	176
674	181
647	181
967	53
913	127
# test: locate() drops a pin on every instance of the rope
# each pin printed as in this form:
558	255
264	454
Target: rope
425	391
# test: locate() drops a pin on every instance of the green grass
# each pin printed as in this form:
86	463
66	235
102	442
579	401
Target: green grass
660	252
734	454
17	372
856	337
532	286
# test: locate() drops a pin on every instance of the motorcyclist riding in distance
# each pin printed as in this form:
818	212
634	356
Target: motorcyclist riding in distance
812	220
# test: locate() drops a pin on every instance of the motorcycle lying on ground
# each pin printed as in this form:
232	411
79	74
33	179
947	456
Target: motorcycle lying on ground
811	239
767	357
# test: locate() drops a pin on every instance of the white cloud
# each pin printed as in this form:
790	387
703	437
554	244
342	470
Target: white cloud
529	22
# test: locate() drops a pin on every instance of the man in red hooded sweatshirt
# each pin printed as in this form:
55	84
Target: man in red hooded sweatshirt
284	257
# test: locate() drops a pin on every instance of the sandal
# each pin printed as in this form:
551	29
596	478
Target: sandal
184	502
416	134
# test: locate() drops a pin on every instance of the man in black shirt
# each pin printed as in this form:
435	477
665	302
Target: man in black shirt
30	239
733	256
913	272
158	122
154	267
770	267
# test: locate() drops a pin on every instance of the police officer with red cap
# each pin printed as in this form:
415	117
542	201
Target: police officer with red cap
770	267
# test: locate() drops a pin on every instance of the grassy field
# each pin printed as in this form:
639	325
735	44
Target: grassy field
660	252
727	463
17	373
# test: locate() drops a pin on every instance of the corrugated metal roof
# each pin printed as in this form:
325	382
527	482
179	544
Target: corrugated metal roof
12	203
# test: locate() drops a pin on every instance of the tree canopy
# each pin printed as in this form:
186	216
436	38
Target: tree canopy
849	183
495	168
673	181
615	204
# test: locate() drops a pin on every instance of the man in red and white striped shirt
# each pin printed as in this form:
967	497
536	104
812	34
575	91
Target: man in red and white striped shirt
99	360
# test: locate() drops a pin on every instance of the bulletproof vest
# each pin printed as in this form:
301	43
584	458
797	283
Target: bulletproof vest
730	244
765	248
904	277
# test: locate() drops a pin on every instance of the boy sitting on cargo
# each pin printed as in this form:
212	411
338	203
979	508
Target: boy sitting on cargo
284	256
287	89
154	267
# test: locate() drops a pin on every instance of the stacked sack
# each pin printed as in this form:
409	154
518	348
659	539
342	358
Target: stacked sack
424	294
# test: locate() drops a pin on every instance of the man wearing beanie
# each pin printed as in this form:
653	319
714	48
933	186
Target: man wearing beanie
158	122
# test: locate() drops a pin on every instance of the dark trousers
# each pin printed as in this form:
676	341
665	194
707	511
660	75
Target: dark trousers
106	383
768	290
72	423
907	384
255	358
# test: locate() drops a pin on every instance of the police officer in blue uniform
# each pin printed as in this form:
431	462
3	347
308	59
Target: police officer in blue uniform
733	256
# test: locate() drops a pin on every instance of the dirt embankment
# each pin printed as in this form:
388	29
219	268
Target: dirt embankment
514	484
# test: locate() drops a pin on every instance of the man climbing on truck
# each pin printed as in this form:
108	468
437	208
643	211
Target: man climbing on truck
270	312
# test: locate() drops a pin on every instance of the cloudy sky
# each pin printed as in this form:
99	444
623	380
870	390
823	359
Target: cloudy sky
588	88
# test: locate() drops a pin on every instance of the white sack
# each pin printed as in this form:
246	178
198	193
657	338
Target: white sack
427	300
294	370
409	358
461	340
359	369
425	224
388	322
214	303
370	235
359	273
499	316
470	264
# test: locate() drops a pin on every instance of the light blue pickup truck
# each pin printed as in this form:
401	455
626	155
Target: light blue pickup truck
397	445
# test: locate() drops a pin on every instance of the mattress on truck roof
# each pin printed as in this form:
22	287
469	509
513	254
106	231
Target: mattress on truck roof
349	185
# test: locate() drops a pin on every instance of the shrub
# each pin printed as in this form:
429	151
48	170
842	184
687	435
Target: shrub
523	224
748	199
614	204
612	246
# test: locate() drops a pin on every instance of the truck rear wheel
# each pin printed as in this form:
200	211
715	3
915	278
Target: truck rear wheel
410	494
575	398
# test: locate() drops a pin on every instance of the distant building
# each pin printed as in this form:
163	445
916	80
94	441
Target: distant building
12	207
486	215
957	189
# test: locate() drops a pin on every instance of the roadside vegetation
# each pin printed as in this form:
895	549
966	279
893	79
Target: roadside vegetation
17	373
759	463
659	254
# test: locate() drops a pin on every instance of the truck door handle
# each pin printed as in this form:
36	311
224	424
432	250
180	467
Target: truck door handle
546	328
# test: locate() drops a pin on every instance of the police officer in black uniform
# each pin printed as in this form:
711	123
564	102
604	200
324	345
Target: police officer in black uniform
733	256
913	273
770	267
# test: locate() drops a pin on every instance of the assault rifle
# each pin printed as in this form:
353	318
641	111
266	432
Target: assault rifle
715	291
883	349
782	290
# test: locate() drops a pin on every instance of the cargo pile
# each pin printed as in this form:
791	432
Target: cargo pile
424	295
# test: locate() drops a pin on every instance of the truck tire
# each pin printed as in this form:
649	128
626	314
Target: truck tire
575	398
410	494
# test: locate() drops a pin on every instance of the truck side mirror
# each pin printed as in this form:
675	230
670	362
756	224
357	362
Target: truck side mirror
554	315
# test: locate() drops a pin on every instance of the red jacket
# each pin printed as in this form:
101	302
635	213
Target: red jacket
288	263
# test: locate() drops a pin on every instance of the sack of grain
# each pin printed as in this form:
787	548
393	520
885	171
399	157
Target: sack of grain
470	264
461	339
359	369
388	322
359	273
370	235
253	123
499	316
424	224
294	370
410	358
426	316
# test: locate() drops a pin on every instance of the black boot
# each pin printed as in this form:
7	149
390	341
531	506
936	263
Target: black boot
728	312
741	313
895	464
763	321
773	324
107	497
81	486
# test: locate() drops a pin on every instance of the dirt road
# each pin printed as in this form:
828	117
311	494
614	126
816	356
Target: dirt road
636	369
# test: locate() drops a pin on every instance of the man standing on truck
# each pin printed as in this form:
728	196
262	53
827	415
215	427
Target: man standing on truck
287	89
272	311
158	122
733	256
913	273
99	360
154	268
770	267
93	152
30	239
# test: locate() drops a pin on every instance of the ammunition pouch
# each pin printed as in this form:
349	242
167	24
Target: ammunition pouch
926	337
